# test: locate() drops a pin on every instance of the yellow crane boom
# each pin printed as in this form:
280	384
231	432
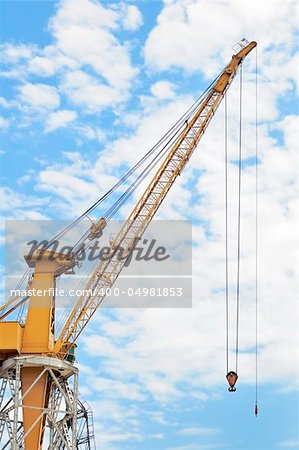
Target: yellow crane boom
107	272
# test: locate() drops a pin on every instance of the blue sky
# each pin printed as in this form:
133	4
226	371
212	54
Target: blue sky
87	87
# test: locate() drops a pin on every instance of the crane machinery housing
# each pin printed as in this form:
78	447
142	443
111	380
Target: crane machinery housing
39	403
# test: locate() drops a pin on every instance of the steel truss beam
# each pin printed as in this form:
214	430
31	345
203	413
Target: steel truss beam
67	421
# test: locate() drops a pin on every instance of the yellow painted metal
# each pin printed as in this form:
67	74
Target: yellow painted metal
34	394
38	339
11	334
107	272
39	327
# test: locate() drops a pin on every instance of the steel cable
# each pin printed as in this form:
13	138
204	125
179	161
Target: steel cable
239	222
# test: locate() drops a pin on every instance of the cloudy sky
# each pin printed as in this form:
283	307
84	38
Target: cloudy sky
87	87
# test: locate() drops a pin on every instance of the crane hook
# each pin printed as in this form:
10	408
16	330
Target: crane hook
232	378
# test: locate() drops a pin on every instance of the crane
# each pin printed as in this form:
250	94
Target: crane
39	380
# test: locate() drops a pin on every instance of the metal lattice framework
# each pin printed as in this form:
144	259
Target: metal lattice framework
67	421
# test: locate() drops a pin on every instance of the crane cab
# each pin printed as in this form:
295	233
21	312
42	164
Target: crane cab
68	349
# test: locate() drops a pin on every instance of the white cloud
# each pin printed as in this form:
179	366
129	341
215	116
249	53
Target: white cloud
4	123
199	431
180	25
92	62
42	66
84	32
27	177
59	119
39	96
15	53
198	447
48	61
117	389
68	186
163	89
132	18
289	444
92	133
15	205
87	13
86	91
5	103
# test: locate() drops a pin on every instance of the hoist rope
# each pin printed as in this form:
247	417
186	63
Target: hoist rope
256	231
226	234
256	249
239	221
